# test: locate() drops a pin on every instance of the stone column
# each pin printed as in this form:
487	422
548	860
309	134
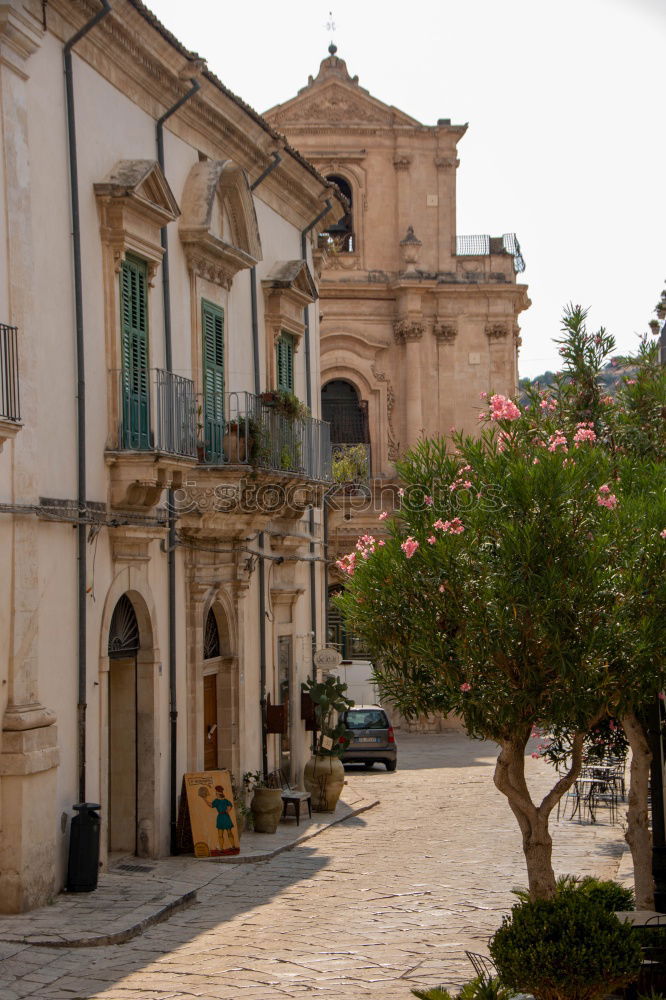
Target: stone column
446	196
409	332
401	163
29	753
445	332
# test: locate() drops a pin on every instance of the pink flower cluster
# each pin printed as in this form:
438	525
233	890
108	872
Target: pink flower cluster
366	545
465	686
584	432
502	408
409	546
607	499
383	515
663	533
460	482
557	440
454	527
548	405
347	564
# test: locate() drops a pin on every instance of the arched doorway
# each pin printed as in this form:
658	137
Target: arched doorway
350	435
131	751
220	693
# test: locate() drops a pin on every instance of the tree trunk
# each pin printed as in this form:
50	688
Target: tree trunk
638	835
532	819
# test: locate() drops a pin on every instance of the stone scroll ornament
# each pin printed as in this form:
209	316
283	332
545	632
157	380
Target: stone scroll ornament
393	445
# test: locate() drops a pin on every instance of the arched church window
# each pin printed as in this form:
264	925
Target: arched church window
211	637
124	631
346	413
342	234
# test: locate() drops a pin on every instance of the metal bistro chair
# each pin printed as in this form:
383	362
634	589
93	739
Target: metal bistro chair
652	977
484	967
290	796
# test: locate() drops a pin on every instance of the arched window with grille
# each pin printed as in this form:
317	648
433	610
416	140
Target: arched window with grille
349	645
211	637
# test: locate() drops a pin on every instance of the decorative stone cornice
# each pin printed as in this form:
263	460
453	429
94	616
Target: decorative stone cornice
445	331
446	162
19	38
407	329
496	331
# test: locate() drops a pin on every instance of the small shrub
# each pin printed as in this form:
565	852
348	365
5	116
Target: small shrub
610	895
566	948
479	988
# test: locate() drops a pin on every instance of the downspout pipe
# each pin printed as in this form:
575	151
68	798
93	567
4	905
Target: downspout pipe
328	205
171	516
82	568
277	160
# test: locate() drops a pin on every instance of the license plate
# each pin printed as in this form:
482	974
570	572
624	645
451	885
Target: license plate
367	739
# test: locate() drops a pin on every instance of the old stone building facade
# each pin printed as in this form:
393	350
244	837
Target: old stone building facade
416	319
160	503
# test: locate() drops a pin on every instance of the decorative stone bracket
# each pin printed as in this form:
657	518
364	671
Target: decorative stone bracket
496	331
407	329
445	331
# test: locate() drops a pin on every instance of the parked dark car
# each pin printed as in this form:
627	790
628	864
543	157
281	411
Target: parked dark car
371	737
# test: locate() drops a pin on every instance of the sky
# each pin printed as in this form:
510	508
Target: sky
566	144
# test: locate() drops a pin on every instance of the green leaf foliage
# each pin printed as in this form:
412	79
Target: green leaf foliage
567	948
610	895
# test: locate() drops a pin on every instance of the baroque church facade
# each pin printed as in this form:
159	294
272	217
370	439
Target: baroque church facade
416	319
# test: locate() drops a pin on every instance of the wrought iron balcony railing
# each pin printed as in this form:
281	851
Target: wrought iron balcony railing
10	404
257	433
483	246
156	411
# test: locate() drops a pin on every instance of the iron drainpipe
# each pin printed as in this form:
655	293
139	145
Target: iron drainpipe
328	205
80	393
171	517
277	159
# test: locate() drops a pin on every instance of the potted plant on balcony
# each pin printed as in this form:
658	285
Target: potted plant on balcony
324	775
266	802
285	403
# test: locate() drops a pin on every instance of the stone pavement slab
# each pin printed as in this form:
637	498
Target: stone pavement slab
126	902
387	901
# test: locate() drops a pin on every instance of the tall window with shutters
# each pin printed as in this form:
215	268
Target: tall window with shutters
135	400
284	362
213	380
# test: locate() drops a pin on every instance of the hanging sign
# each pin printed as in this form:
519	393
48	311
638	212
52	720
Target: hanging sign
207	818
327	659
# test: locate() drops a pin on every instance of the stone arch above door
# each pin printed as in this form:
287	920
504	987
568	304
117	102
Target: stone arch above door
218	226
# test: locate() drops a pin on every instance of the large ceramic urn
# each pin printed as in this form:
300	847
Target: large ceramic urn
324	777
266	809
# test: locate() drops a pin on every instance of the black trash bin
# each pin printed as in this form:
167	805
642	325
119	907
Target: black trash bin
84	848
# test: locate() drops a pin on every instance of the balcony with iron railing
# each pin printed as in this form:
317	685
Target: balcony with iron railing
153	434
484	246
255	432
10	406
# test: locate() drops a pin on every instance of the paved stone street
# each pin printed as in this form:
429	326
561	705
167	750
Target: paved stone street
385	901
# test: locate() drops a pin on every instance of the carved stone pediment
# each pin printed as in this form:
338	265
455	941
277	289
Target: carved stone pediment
141	185
219	228
336	105
288	289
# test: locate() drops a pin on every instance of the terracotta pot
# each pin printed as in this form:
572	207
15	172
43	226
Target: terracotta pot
324	778
236	447
266	809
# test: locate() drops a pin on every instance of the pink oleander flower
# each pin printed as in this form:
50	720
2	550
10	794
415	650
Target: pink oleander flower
535	756
557	440
383	515
456	527
429	501
431	539
401	492
483	395
607	499
662	534
465	686
548	405
409	546
440	525
584	432
441	588
347	564
535	461
381	542
502	408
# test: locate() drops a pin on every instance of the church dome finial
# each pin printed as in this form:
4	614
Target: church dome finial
332	48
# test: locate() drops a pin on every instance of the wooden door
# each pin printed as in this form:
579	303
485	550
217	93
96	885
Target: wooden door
210	722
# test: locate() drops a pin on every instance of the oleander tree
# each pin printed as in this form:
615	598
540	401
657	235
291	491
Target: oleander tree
520	576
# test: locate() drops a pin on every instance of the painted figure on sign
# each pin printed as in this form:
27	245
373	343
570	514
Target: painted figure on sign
224	822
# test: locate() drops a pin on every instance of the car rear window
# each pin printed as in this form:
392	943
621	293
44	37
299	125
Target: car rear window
366	719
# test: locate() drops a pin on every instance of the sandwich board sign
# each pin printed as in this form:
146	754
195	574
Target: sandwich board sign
207	818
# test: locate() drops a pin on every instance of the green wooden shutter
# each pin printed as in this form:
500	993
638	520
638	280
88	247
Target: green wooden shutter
213	379
134	349
285	362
